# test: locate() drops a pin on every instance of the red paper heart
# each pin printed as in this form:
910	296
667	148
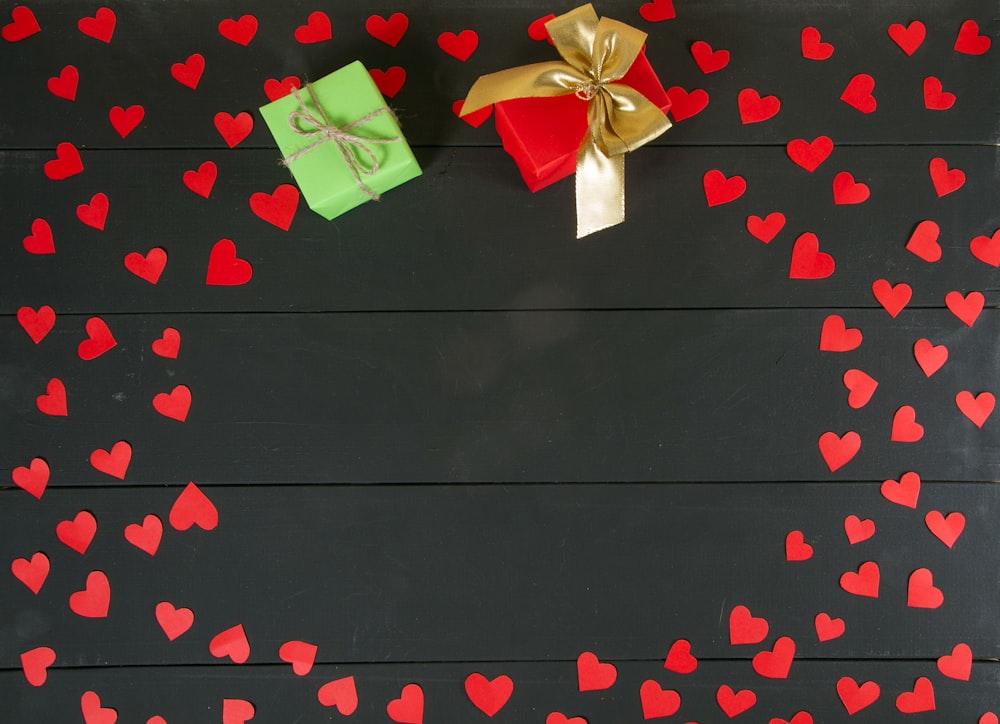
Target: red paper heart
903	492
767	228
316	30
813	48
708	60
300	654
275	89
65	84
858	93
342	693
174	404
101	26
40	241
409	707
776	663
33	478
126	120
556	717
53	402
474	119
147	536
864	582
796	549
935	97
754	108
232	643
657	11
721	190
390	31
202	180
32	573
23	25
945	180
921	591
893	298
967	308
808	262
838	450
683	104
389	81
905	427
861	386
189	72
277	208
987	248
459	46
114	463
237	711
486	695
658	702
744	628
36	324
855	697
594	675
537	29
828	628
948	528
848	191
908	37
79	532
958	664
810	154
989	718
923	241
225	268
930	358
94	214
919	700
95	599
679	658
168	345
148	267
175	622
858	530
802	717
66	163
239	31
734	703
35	664
99	340
836	336
93	712
977	408
193	507
969	41
233	129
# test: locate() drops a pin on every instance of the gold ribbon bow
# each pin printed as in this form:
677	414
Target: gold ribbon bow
595	53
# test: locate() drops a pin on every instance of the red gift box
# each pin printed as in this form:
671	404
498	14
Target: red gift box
544	134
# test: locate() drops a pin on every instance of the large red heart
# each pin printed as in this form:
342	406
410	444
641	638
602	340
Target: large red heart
930	357
848	191
389	81
237	711
341	693
908	37
754	108
948	528
409	707
658	702
858	93
957	664
95	213
35	664
656	11
809	154
905	427
316	30
23	25
977	408
175	622
459	46
744	628
858	530
935	97
893	298
389	31
969	41
189	72
967	308
683	104
193	507
813	48
489	696
594	675
945	180
828	628
93	712
66	163
233	129
99	340
776	663
95	599
856	697
864	582
146	537
32	479
239	31
79	532
126	120
232	643
168	345
708	60
37	324
101	26
861	386
202	180
276	208
838	450
40	241
734	703
679	658
32	573
836	336
174	404
767	228
904	491
808	262
300	654
796	549
149	266
53	402
923	241
987	248
919	700
114	463
720	189
537	29
225	268
275	89
65	84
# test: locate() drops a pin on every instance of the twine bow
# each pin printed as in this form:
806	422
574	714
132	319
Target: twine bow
595	53
318	126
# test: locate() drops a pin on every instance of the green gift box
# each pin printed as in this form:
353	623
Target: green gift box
345	147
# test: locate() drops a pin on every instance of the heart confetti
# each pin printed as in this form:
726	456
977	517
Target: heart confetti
149	266
893	298
101	26
858	530
594	675
679	658
809	154
684	104
856	697
813	47
848	191
827	628
776	663
767	228
930	357
168	345
460	46
225	268
836	336
231	643
95	599
65	84
864	582
237	711
37	324
95	213
193	507
316	30
275	89
921	591
202	180
905	427
174	404
390	81
958	664
734	703
923	242
126	120
838	450
409	707
860	386
977	408
969	41
858	93
390	31
40	240
174	621
658	702
240	31
904	491
114	462
35	664
755	108
656	11
987	248
78	533
935	97
489	696
919	700
23	25
796	549
31	572
946	529
233	129
720	189
744	628
93	712
66	163
300	654
341	693
966	307
708	60
908	37
147	535
99	340
32	479
189	72
808	262
53	402
946	180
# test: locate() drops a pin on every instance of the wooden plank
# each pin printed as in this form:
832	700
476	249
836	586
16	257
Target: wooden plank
468	235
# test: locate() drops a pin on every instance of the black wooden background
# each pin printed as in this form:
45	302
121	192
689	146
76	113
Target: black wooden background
442	435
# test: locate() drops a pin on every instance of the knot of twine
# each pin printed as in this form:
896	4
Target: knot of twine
586	91
347	143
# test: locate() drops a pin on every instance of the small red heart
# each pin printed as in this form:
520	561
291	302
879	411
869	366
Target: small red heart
23	25
754	108
275	89
79	532
684	105
796	549
99	340
828	628
594	675
36	324
935	97
802	717
148	267
679	658
893	298
708	60
32	573
66	163
93	712
40	241
537	29
767	228
53	402
858	530
35	664
946	529
174	621
744	628
923	241
930	358
390	80
233	129
277	208
174	404
836	336
734	703
193	507
126	120
316	30
33	478
300	654
341	693
657	11
903	492
987	248
861	386
905	427
848	191
855	697
232	643
189	72
858	93
977	408
721	190
808	262
65	84
908	37
94	214
776	663
658	702
239	31
489	696
838	450
810	154
945	180
958	664
864	582
147	536
556	717
101	26
409	707
95	599
114	463
390	31
202	180
474	119
967	308
813	48
969	41
459	46
168	345
237	711
919	700
225	268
